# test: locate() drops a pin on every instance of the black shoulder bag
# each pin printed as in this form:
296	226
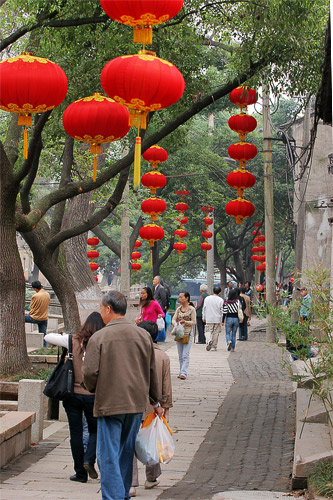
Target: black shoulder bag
61	382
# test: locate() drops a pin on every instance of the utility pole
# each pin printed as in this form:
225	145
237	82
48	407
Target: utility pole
125	247
210	258
269	214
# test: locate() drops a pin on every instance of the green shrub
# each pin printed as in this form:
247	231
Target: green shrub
321	479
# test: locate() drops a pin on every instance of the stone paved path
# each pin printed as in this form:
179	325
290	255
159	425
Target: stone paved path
250	443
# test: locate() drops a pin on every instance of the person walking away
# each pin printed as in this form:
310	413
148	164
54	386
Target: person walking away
120	367
199	306
39	308
243	327
160	293
212	315
185	315
150	308
163	369
248	290
82	401
230	317
227	289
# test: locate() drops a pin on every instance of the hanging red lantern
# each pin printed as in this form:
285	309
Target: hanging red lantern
206	246
97	120
142	83
242	152
135	266
240	209
137	244
259	288
179	247
93	266
206	234
182	220
155	155
292	280
261	258
30	84
261	268
96	279
242	124
136	255
261	238
257	224
207	221
254	250
92	254
182	207
240	180
142	15
153	207
151	232
261	249
256	241
243	96
181	233
182	193
153	180
254	258
93	241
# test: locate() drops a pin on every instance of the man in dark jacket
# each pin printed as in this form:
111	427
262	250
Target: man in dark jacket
120	368
200	323
160	293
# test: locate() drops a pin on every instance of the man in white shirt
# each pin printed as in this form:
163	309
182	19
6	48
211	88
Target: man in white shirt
212	313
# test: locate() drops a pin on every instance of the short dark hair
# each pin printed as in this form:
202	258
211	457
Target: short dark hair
233	294
36	284
217	289
242	289
116	301
151	327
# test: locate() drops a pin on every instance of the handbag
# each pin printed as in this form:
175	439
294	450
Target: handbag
240	312
60	385
184	340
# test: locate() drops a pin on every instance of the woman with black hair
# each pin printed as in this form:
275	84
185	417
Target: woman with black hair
185	315
230	317
150	308
82	401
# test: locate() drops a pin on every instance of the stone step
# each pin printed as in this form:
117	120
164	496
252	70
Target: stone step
6	405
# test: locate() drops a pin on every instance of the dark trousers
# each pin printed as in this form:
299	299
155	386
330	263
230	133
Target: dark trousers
74	407
243	329
201	331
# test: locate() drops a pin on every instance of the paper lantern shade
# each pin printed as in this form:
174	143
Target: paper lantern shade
261	238
181	233
182	207
206	246
92	254
243	96
138	244
93	241
242	124
93	266
257	224
261	249
242	151
254	258
155	155
153	180
240	180
240	209
182	220
261	258
207	221
136	255
179	247
261	268
259	288
142	15
151	233
182	193
135	266
153	207
206	234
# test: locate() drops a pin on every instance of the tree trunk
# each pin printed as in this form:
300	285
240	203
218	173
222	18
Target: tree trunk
13	348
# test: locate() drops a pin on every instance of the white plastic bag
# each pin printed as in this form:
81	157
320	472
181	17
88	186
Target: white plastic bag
160	323
178	330
154	443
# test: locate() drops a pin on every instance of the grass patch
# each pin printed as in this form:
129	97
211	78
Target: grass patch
45	351
34	373
321	479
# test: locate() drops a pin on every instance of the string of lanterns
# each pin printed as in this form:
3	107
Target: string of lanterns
180	232
242	151
206	234
136	266
93	254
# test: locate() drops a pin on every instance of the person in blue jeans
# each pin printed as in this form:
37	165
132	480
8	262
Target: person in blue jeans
82	401
230	318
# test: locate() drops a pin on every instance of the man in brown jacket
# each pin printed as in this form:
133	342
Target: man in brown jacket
120	367
39	308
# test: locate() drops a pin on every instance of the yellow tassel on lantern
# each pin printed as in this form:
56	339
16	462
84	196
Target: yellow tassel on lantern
137	162
25	144
143	34
25	120
95	149
151	259
137	119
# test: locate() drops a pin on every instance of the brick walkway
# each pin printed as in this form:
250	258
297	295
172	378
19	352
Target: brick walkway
250	443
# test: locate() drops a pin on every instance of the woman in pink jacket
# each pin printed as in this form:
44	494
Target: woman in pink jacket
150	308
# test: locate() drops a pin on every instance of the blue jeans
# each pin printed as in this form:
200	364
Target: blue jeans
116	435
184	356
42	325
231	325
74	407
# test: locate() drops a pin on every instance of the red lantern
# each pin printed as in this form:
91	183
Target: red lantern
292	280
242	124
93	266
261	258
207	221
151	233
153	207
92	254
259	288
254	250
261	249
182	193
96	279
206	234
30	84
179	247
254	257
261	268
240	180
155	155
137	244
93	241
142	15
96	119
242	151
153	180
183	221
243	96
181	233
257	224
136	255
206	246
135	266
182	207
261	238
240	209
142	83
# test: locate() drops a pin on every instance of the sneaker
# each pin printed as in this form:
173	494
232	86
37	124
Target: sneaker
209	346
232	349
213	349
229	346
151	484
132	492
91	471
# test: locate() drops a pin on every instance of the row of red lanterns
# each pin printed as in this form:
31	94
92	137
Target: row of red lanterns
242	151
206	234
181	233
93	254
